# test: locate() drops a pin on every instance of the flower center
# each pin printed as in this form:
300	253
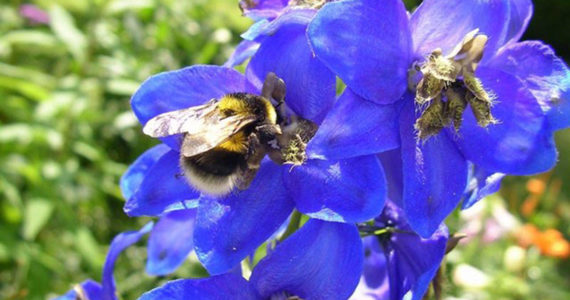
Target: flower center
448	84
294	140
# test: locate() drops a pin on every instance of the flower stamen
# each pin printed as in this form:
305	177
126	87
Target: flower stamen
448	84
294	140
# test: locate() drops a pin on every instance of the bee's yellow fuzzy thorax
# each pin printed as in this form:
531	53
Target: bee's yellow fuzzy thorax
237	105
271	114
239	141
235	143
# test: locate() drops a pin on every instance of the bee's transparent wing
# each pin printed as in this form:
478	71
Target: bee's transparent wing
211	132
204	127
179	121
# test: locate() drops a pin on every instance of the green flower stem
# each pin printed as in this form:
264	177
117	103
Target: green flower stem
293	225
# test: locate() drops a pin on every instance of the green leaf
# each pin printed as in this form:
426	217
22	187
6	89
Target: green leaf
122	87
16	133
121	6
28	74
36	215
87	151
30	37
24	87
88	248
63	26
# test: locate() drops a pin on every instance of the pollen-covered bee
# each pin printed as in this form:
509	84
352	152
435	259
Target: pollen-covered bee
225	139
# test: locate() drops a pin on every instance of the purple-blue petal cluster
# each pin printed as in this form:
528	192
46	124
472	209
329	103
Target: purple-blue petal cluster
528	83
366	149
349	188
297	267
399	262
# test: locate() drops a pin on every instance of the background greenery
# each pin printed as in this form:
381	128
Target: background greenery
67	134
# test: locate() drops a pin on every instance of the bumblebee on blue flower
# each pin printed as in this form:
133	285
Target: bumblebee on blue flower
439	105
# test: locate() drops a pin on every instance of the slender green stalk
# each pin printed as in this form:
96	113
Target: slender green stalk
293	225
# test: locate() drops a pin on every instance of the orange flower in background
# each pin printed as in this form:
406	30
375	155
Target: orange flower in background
536	187
527	235
551	242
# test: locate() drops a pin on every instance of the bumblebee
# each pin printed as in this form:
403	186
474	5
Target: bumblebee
225	139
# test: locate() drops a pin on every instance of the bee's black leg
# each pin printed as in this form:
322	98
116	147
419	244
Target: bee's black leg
267	132
254	146
254	156
268	135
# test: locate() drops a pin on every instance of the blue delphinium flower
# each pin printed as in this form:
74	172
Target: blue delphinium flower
448	55
322	260
90	289
397	261
269	15
227	229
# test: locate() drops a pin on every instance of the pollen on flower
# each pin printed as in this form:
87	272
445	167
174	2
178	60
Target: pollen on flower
448	84
294	141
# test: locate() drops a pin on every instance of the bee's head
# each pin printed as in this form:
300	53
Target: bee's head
247	105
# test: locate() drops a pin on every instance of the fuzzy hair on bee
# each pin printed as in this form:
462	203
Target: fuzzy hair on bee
224	140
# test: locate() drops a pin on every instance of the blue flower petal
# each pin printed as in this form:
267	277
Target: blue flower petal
544	74
367	44
91	288
163	185
170	241
229	229
413	262
256	31
375	270
264	28
226	286
443	24
435	175
521	13
522	142
119	243
377	287
183	88
355	127
244	50
392	163
135	174
348	190
311	86
322	260
481	183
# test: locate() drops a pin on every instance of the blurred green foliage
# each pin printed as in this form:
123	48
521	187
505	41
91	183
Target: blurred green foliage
67	134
